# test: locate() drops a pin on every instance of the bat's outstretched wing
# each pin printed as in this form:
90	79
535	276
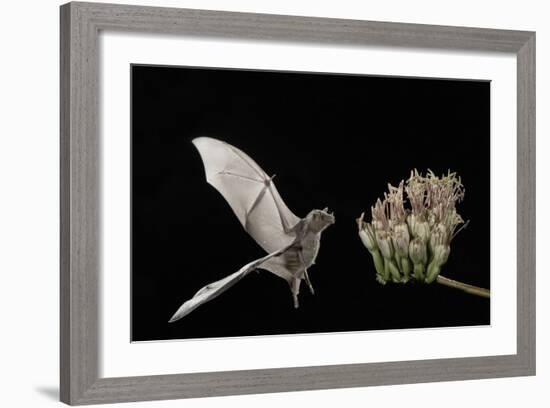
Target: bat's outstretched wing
215	289
249	191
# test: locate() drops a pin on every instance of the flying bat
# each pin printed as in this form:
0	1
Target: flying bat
291	243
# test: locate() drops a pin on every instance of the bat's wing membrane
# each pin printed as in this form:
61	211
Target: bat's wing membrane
249	191
215	289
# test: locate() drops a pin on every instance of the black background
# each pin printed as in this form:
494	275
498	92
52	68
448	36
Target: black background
332	140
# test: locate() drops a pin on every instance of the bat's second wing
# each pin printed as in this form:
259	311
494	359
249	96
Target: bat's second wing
249	191
214	289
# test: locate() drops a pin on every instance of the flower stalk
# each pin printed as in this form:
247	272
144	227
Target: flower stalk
474	290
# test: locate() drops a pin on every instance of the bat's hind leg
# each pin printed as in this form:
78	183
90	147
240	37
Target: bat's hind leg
306	276
295	289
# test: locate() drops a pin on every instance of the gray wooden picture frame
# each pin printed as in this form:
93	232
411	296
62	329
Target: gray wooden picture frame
80	158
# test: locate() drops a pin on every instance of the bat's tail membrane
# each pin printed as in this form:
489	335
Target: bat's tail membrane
215	289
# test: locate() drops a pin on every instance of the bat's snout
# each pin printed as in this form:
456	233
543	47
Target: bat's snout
328	216
326	211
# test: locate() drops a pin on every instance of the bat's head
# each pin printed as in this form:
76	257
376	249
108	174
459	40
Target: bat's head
318	220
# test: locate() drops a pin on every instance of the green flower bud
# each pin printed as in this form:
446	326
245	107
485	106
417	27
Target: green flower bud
418	271
406	269
391	269
366	233
441	254
432	273
379	266
401	240
383	239
422	230
418	252
439	236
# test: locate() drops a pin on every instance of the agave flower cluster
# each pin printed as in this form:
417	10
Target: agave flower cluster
414	241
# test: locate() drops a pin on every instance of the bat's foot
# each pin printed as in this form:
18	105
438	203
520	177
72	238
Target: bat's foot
296	303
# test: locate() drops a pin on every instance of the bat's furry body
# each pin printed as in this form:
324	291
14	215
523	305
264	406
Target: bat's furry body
292	243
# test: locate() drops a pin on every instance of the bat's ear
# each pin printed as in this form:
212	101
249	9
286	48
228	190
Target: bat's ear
325	209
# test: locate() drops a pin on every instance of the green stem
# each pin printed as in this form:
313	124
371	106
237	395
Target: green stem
386	275
473	290
406	268
394	271
378	262
418	271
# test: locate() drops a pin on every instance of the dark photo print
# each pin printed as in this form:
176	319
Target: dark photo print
269	203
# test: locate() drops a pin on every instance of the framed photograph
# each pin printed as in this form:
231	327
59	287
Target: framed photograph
321	135
259	203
